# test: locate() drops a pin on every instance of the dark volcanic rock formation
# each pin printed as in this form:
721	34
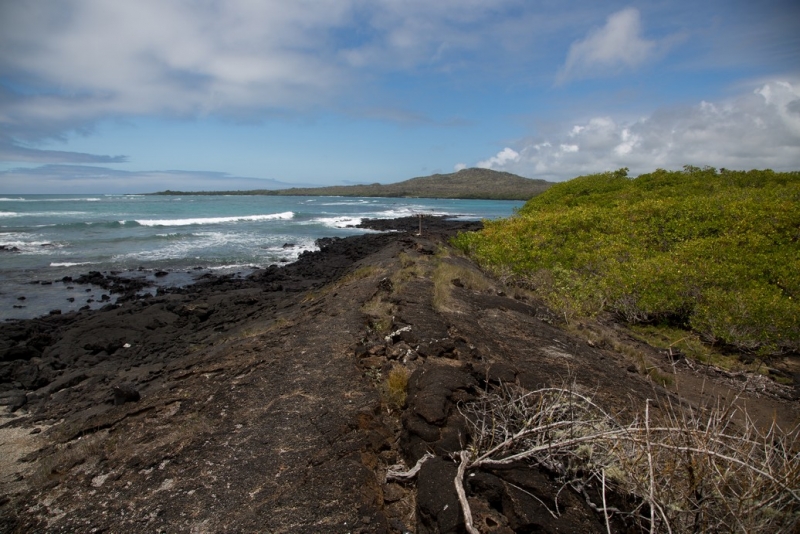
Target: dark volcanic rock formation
265	404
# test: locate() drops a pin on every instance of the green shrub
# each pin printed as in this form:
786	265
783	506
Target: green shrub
714	251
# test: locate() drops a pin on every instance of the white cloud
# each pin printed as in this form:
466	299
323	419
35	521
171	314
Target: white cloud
459	167
617	45
759	129
72	62
504	157
85	59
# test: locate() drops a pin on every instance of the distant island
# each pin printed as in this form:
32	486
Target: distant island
464	184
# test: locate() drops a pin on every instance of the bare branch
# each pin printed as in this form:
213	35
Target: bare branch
462	495
396	472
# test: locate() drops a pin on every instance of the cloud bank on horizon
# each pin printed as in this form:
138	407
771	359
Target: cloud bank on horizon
108	96
757	130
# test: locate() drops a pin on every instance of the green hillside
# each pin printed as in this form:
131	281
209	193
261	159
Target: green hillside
464	184
716	252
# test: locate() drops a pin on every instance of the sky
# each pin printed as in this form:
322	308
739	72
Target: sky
129	97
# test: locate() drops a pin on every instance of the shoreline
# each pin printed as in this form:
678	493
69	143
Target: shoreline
29	294
261	403
33	354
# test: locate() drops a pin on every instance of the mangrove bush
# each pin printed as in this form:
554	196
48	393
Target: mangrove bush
717	252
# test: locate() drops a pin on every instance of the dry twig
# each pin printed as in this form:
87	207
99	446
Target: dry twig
694	470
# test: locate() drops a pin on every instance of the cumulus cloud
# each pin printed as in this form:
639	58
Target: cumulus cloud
617	45
459	167
72	62
80	60
505	157
760	129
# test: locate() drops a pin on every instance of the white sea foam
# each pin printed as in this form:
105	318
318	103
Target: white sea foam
65	199
8	214
51	213
345	203
214	220
69	263
228	250
337	222
293	252
193	248
28	247
233	267
407	211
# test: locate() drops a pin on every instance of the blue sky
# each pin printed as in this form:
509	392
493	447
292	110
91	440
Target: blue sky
109	97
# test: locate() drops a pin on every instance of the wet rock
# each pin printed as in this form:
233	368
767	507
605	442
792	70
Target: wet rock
92	277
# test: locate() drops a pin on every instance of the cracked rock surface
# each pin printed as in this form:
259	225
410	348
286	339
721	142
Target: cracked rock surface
261	404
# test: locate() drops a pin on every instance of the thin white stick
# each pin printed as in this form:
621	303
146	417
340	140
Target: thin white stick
650	466
462	495
605	506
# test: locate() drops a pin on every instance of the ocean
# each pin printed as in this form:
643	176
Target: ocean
46	239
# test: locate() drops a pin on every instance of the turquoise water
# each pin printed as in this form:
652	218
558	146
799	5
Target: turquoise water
67	235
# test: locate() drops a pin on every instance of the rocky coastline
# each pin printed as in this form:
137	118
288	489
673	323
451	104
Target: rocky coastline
259	403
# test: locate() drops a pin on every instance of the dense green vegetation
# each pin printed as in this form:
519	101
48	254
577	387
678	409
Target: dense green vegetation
717	252
464	184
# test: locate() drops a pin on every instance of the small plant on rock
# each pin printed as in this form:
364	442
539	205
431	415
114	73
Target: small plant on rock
394	388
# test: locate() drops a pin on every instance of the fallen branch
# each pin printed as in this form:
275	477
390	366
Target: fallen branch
462	495
694	471
397	472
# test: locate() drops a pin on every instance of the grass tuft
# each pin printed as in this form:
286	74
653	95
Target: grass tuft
446	274
394	389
